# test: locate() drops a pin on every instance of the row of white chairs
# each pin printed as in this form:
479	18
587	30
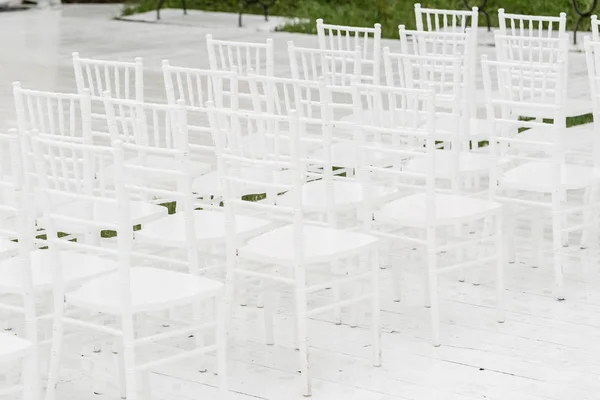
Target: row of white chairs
412	179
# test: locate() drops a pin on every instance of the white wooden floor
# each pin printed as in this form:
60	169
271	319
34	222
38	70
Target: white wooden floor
545	350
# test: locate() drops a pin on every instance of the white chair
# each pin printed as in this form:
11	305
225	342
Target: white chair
348	38
531	25
337	67
125	80
196	87
243	57
540	27
155	126
446	20
131	290
297	253
17	223
526	49
539	178
422	211
452	45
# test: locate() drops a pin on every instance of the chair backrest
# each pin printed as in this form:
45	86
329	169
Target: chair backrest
400	118
125	80
337	67
532	25
242	57
147	124
443	75
531	49
431	19
197	86
64	115
281	96
592	53
348	38
514	91
269	165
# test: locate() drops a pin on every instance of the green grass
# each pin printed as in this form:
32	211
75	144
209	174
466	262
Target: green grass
389	13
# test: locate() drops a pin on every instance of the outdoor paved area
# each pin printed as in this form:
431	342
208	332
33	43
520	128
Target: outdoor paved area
545	350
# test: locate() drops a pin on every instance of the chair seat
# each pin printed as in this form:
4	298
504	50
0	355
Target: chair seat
76	267
320	245
468	163
574	106
141	213
151	289
12	347
536	176
197	168
411	210
210	227
346	193
209	184
344	154
575	138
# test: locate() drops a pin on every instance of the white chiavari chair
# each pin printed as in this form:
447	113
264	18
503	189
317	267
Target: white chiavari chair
242	57
422	208
155	126
542	27
196	87
540	181
295	254
348	38
131	290
452	44
525	49
17	231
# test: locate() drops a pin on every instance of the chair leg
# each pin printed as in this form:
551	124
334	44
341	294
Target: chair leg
129	357
198	308
56	352
269	310
500	265
557	240
119	353
427	277
376	309
511	255
29	375
588	215
301	323
396	273
460	253
433	295
146	385
221	340
537	236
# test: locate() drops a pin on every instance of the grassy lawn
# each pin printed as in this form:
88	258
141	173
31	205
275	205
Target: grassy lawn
389	13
